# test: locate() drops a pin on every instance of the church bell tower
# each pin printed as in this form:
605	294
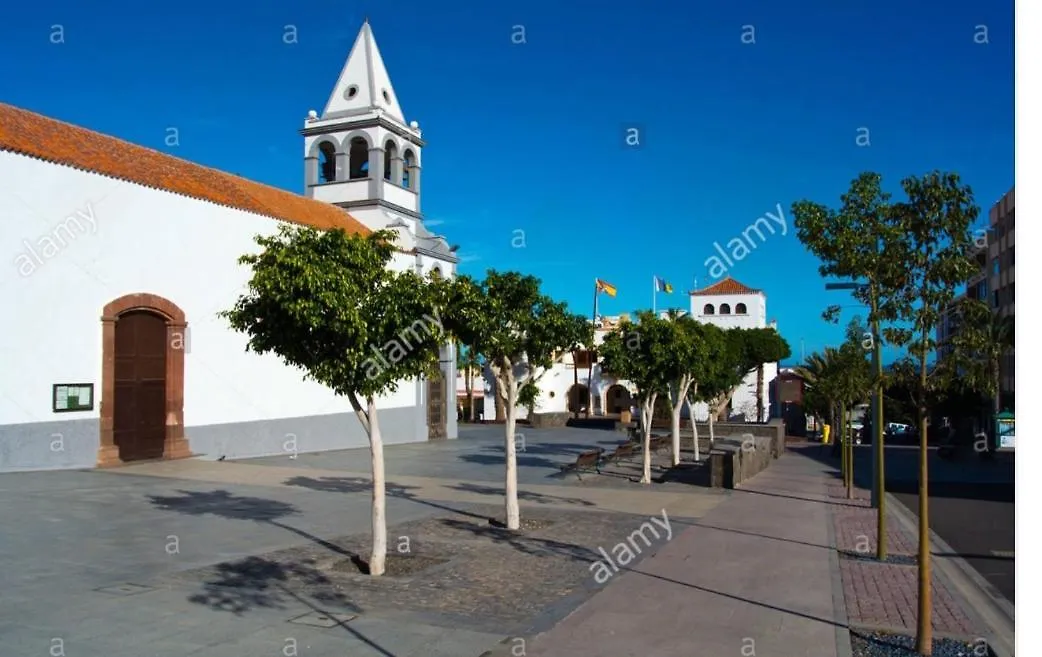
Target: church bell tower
360	154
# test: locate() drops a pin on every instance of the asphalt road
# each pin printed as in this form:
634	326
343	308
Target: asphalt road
971	506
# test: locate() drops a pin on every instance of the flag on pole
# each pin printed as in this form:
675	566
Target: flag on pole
606	287
662	286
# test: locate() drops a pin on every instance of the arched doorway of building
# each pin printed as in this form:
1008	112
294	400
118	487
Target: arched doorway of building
618	399
578	398
144	338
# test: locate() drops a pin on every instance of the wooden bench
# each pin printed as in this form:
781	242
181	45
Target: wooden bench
585	462
624	451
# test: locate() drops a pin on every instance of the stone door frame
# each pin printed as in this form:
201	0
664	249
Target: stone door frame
174	445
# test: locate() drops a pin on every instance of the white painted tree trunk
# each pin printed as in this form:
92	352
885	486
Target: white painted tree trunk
694	425
513	511
712	436
368	417
647	411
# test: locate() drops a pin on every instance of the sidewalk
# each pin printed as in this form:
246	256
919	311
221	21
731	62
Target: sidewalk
780	568
754	576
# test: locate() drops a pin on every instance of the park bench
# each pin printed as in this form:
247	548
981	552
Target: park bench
585	462
624	451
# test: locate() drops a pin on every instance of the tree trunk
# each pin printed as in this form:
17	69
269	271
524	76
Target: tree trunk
649	406
513	511
924	624
468	381
676	400
501	413
378	558
759	393
694	426
850	452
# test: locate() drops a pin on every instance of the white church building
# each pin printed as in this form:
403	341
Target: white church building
119	257
726	303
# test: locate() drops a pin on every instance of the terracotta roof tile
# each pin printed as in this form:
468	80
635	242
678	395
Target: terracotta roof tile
726	286
38	136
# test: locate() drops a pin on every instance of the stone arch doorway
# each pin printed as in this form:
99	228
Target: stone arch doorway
142	380
618	399
578	398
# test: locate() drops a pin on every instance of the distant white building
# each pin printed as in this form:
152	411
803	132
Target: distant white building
730	304
566	386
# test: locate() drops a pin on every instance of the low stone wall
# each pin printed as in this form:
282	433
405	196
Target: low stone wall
549	420
736	459
775	429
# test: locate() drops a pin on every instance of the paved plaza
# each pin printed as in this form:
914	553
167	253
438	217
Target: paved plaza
223	559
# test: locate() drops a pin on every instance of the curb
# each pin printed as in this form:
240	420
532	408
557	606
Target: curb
983	602
839	602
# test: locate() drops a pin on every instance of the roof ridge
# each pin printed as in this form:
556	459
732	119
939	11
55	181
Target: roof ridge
41	137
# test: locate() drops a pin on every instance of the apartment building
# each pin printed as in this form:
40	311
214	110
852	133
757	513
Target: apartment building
994	283
1001	276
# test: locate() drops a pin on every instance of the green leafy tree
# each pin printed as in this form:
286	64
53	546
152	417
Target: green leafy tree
639	353
854	242
977	349
713	374
685	350
936	256
520	332
326	303
762	346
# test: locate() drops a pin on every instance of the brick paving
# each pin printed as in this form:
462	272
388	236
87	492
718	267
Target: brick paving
884	595
879	595
856	527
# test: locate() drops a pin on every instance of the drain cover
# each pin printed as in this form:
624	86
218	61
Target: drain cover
316	619
125	589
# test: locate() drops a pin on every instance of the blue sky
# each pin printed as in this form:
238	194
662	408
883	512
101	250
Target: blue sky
530	137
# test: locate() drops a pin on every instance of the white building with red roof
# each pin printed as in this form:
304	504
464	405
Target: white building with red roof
119	257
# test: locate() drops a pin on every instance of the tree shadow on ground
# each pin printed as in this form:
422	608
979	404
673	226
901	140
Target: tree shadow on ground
223	504
359	485
540	547
544	547
255	582
527	496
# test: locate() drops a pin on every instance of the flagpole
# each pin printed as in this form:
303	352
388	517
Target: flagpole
654	295
589	352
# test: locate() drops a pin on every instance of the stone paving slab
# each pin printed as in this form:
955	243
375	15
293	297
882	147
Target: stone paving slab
751	575
633	498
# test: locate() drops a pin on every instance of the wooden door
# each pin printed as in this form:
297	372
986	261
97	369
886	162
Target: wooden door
436	429
139	408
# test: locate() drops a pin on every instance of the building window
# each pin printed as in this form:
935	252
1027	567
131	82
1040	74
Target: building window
995	298
708	309
995	266
1012	258
740	309
725	309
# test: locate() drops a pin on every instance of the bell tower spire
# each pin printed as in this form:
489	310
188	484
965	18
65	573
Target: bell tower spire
360	153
